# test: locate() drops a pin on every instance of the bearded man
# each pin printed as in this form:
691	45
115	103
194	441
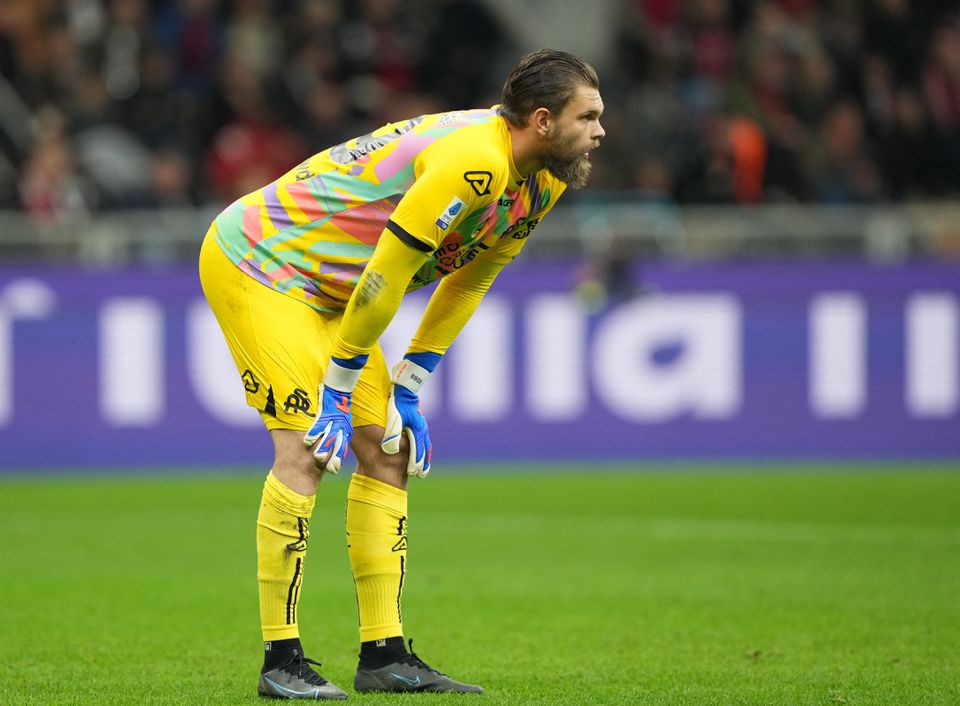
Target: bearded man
305	274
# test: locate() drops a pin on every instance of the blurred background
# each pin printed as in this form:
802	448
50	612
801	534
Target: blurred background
765	262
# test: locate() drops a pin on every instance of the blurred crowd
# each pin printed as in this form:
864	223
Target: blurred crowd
109	104
843	101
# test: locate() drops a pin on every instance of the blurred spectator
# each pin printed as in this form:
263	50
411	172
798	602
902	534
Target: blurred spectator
711	45
192	31
910	149
381	42
941	87
247	153
607	278
325	118
461	54
762	93
254	146
170	179
158	111
896	32
841	165
122	43
111	156
814	85
254	38
732	166
51	191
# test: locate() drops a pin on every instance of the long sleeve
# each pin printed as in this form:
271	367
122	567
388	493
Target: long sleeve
378	296
455	299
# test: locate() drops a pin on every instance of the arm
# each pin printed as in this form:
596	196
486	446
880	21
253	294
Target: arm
453	303
371	308
449	309
415	230
451	306
377	297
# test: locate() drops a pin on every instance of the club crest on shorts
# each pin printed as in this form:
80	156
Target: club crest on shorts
250	382
298	401
450	212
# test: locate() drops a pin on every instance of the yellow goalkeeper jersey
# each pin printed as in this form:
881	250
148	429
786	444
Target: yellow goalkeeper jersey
444	184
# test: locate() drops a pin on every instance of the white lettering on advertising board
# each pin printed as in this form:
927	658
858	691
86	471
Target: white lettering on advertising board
647	361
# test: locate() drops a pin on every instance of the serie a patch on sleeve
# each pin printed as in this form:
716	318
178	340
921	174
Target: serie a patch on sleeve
450	212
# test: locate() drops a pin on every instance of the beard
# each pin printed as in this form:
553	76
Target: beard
568	165
574	171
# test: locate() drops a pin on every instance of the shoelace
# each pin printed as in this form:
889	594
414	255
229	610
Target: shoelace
415	661
300	666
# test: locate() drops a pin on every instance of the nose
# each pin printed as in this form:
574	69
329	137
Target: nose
599	132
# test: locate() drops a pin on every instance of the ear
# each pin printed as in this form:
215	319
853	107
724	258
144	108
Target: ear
542	120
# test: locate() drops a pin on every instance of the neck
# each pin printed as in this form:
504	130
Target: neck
524	144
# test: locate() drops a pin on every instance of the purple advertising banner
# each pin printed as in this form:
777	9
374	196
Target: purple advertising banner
118	368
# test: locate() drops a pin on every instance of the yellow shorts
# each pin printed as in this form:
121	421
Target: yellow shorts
281	347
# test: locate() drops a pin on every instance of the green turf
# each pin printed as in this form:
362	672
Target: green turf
675	586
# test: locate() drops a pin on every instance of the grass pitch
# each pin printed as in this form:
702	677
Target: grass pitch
672	586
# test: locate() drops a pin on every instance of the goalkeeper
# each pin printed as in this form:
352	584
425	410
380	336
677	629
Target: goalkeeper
305	274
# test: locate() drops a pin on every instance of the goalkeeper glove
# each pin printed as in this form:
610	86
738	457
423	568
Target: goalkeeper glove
330	434
404	415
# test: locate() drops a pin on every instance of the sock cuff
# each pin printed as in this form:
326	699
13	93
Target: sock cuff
272	633
286	500
374	492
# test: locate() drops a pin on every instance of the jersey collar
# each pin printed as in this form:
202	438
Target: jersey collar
516	178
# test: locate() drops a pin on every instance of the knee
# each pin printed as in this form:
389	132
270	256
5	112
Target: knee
374	463
293	463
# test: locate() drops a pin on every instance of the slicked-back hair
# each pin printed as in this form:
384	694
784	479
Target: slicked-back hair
544	79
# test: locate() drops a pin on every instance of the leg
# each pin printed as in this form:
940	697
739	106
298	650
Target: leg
293	463
377	544
372	462
283	531
279	346
377	534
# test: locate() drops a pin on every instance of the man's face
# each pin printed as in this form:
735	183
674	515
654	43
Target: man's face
574	132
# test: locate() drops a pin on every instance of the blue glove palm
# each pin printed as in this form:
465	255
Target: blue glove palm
331	431
404	416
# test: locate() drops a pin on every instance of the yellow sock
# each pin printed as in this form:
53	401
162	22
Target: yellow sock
377	544
282	534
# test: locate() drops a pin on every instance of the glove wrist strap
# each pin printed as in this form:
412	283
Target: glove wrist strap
408	374
340	378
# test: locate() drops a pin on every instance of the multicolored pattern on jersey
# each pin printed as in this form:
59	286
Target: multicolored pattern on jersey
311	232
